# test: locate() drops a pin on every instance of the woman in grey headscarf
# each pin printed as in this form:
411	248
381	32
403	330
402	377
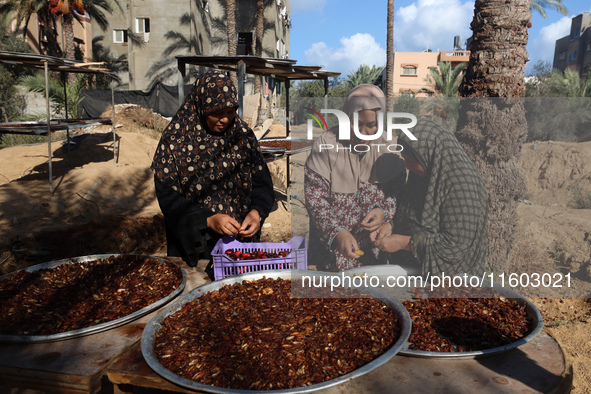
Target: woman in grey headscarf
442	217
343	200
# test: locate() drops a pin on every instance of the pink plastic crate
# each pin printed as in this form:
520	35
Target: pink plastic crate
224	266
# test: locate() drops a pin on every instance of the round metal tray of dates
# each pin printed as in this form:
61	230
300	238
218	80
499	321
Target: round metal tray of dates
84	295
251	333
470	323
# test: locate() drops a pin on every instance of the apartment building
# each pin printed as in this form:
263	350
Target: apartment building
152	33
573	52
412	68
39	42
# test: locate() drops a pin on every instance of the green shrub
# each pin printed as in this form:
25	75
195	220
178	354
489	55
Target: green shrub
580	199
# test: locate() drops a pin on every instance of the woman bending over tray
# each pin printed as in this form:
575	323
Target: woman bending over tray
210	176
442	215
343	199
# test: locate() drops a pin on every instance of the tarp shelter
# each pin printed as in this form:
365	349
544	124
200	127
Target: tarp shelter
64	66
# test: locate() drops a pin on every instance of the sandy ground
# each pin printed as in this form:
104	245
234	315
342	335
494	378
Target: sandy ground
99	206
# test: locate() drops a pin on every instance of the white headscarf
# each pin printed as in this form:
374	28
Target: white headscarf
347	171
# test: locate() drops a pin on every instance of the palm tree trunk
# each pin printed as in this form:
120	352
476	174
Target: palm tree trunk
68	31
258	47
49	30
69	48
231	32
492	124
390	52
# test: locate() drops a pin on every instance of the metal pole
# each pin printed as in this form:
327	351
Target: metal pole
63	75
288	159
325	93
181	87
241	74
115	155
287	128
48	125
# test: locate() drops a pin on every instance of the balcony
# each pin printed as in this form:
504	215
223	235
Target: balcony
454	56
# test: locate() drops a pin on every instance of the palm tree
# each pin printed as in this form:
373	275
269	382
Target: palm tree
540	7
231	32
12	102
58	92
48	11
566	84
70	10
115	65
390	51
492	130
258	46
446	79
364	74
65	9
24	10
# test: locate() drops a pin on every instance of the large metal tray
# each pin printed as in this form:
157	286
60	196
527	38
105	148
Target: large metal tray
149	334
99	327
533	314
287	152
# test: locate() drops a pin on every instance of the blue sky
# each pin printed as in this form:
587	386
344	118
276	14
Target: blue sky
340	35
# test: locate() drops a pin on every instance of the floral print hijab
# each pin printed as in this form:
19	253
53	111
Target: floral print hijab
214	170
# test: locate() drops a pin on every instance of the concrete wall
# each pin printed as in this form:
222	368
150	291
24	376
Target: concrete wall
573	52
202	32
417	83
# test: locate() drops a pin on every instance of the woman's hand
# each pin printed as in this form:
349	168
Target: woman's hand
251	224
393	243
223	224
373	220
347	244
383	231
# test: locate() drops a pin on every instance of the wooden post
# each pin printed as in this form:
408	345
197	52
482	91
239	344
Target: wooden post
46	66
287	86
115	152
181	86
241	73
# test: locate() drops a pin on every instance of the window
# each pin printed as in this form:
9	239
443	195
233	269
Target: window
562	55
575	55
244	47
119	36
142	25
409	70
589	46
578	32
281	50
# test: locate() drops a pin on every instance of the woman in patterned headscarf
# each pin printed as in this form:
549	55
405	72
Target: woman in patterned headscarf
210	176
442	217
343	199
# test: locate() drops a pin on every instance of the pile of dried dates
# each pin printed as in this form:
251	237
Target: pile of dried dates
466	324
236	254
255	336
79	295
287	144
